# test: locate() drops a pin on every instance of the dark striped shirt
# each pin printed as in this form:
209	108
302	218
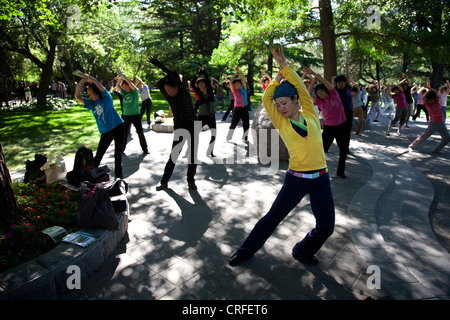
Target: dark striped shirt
182	107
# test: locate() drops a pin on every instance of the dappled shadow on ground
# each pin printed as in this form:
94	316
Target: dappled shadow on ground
179	240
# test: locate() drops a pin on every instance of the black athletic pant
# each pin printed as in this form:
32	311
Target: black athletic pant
146	107
418	109
136	121
339	133
230	108
210	120
117	134
240	113
180	138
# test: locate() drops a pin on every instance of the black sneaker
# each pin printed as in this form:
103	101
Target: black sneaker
161	186
305	260
235	260
341	175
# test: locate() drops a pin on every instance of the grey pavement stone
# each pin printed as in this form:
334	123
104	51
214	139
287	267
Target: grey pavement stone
178	241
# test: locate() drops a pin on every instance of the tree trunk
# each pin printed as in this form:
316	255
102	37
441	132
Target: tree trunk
270	64
437	26
436	75
181	46
8	203
250	73
405	63
328	38
47	72
377	70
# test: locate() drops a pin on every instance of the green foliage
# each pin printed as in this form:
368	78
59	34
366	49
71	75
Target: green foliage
412	35
52	104
8	9
222	34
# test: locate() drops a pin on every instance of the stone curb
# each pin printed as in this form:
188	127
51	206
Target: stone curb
46	277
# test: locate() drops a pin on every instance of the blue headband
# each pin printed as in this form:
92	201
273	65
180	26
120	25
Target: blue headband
285	89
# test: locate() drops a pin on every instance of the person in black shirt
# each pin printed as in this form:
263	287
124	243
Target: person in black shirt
178	96
207	112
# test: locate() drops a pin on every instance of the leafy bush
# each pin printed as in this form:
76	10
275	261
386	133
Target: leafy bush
52	104
40	207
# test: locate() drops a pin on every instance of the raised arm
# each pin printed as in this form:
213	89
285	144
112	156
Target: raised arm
85	77
77	94
158	64
265	75
124	77
446	86
171	75
356	85
213	80
376	84
231	82
139	79
318	77
244	83
117	87
290	75
311	87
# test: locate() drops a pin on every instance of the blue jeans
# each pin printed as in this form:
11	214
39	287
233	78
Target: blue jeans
290	195
216	102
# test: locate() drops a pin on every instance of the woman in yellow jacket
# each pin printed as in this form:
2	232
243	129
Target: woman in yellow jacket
291	110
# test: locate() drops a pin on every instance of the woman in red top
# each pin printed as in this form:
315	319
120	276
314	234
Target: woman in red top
437	122
401	109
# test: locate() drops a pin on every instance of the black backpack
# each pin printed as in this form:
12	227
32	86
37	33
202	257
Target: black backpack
33	171
82	166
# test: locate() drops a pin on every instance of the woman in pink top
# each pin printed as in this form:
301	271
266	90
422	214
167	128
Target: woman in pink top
420	105
328	101
401	108
437	123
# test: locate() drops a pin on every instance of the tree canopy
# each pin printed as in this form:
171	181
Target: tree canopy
44	40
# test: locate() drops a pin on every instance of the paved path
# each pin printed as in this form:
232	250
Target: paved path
391	216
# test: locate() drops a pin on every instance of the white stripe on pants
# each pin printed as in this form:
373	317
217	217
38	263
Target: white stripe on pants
433	127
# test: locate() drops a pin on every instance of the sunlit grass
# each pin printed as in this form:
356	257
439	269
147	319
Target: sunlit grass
23	134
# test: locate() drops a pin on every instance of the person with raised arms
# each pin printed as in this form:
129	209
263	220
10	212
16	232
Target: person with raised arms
292	112
109	123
